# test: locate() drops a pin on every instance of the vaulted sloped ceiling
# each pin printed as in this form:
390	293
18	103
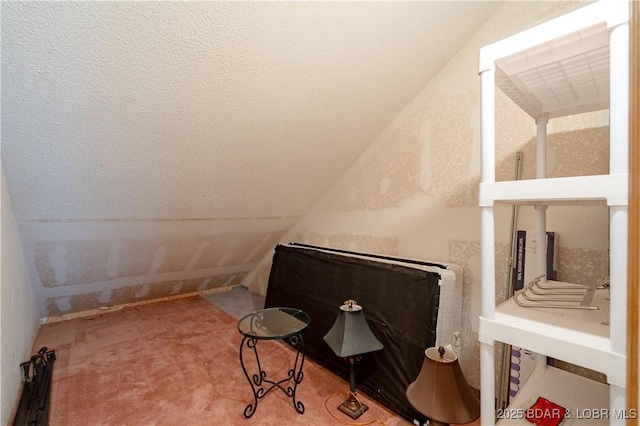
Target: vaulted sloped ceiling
134	131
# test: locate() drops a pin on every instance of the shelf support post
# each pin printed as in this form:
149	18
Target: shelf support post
618	163
541	211
487	383
487	244
487	125
487	237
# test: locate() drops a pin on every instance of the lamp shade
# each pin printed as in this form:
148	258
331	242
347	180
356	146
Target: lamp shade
441	392
350	334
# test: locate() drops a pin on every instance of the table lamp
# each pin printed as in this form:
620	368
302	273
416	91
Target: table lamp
350	337
441	392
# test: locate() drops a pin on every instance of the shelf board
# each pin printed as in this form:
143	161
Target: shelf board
581	396
594	189
575	336
561	67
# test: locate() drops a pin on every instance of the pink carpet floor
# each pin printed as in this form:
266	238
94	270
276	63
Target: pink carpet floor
177	363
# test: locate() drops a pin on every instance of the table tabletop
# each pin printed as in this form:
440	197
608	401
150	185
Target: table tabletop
273	323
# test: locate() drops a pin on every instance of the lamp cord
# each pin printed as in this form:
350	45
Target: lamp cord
348	423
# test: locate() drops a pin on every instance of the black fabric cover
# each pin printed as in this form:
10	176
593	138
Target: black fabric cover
399	302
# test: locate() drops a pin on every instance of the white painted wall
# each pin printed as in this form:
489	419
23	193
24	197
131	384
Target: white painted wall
19	318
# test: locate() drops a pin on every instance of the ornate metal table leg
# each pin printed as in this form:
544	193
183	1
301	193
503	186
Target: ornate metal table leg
256	383
261	386
296	374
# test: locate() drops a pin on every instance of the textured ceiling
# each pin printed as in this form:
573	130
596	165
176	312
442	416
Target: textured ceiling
163	110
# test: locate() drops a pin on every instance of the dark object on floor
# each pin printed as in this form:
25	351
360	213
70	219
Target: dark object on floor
545	413
36	394
402	310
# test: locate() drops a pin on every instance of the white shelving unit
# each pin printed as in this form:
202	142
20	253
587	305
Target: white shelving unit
576	63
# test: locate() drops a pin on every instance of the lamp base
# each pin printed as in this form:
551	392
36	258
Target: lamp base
352	407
